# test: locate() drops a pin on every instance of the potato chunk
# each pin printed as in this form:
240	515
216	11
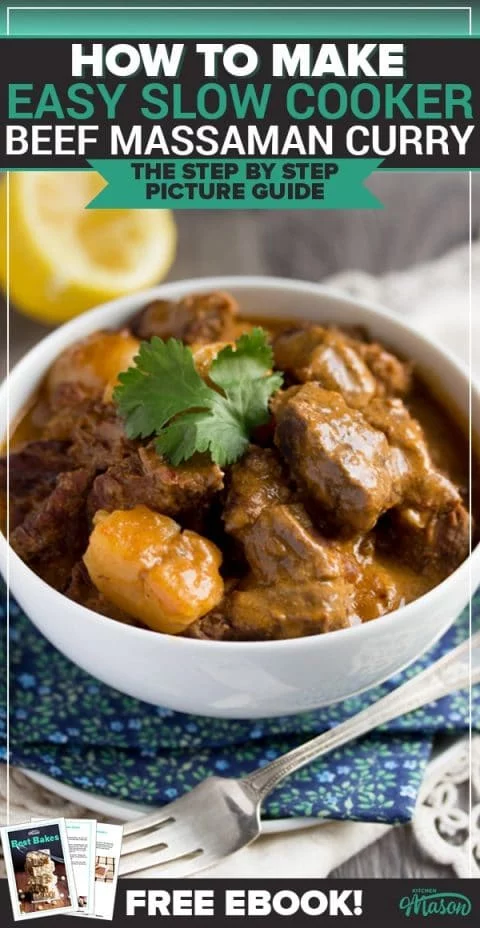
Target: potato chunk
144	564
93	364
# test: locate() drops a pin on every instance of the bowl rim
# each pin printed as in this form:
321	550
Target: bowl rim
134	301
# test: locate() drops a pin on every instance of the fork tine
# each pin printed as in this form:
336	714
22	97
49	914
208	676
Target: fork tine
159	817
177	867
148	838
154	857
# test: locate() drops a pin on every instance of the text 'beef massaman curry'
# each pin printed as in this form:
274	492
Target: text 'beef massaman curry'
237	481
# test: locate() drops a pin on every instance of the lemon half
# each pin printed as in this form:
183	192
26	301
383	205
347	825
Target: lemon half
65	259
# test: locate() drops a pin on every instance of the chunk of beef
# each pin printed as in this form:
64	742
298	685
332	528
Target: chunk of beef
393	376
283	546
416	479
199	318
296	584
327	356
289	610
356	368
257	481
55	566
58	523
435	542
34	469
82	590
341	461
212	627
95	431
215	625
144	478
285	610
280	399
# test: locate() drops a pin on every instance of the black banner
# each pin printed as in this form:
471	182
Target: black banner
396	903
442	67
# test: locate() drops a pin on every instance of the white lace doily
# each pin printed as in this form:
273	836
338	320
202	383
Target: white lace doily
447	817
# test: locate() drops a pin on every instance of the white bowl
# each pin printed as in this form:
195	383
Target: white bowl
244	679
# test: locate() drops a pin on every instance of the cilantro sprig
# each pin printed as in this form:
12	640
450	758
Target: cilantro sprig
163	395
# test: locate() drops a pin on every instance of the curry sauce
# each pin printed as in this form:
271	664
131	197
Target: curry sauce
350	501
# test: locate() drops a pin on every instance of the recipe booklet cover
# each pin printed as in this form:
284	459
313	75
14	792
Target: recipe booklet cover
81	837
39	869
239	453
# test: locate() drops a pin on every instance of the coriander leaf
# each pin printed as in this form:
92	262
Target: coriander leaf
251	357
162	394
225	433
220	433
183	437
250	399
163	382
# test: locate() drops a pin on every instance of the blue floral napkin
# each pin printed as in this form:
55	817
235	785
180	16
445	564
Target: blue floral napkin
68	725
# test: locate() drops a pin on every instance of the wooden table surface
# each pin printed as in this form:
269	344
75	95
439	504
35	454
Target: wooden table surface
423	217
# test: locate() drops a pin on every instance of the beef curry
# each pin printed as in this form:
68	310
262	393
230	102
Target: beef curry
349	502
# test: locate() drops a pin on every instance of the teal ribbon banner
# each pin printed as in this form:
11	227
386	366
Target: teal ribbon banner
218	183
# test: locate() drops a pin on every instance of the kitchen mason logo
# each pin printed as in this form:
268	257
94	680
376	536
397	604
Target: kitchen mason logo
430	902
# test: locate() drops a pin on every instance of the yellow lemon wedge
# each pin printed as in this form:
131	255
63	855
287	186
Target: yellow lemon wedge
64	258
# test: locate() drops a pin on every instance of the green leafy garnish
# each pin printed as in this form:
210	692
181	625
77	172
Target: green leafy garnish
164	395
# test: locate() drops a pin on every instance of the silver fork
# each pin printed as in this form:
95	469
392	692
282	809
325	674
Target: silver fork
221	815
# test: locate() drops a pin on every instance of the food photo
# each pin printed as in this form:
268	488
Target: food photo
39	869
240	516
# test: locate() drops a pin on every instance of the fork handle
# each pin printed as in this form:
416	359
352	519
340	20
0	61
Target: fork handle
452	672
